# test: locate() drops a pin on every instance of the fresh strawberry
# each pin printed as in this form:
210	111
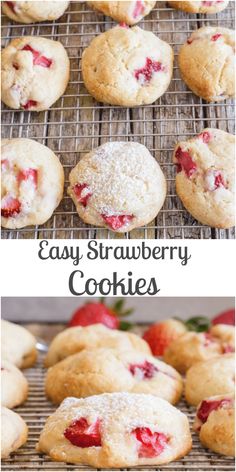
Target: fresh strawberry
95	312
226	317
10	207
160	335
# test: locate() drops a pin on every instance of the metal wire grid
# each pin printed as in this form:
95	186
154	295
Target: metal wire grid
76	123
36	410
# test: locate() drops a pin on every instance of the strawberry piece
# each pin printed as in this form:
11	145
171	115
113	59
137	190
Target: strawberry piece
206	407
81	434
38	60
11	5
10	207
82	196
210	3
219	180
151	444
205	136
227	349
143	371
216	36
226	317
94	313
185	162
28	174
117	221
123	25
29	104
160	335
138	9
190	40
16	66
4	164
145	74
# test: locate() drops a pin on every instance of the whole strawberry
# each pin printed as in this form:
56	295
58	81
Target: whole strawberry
98	312
160	335
226	317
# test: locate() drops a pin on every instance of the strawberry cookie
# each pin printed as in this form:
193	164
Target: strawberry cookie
215	424
206	63
190	348
212	377
129	13
14	432
18	345
35	73
32	183
14	386
107	371
127	66
205	180
32	12
116	430
118	185
200	7
75	339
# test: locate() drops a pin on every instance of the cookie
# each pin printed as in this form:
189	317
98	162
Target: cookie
14	432
118	185
18	345
116	430
32	183
107	371
200	7
32	12
14	386
215	424
205	180
208	378
35	73
75	339
206	63
127	66
190	348
226	335
129	13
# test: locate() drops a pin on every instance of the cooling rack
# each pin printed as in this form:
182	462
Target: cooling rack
36	410
75	124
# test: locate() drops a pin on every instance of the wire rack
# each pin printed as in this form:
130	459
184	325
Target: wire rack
36	410
75	124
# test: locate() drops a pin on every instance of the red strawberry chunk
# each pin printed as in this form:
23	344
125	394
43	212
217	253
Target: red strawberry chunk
29	104
151	444
216	36
227	348
185	162
10	207
123	25
145	73
190	40
4	164
205	136
117	221
138	9
207	407
210	3
37	58
145	370
11	5
28	174
219	180
82	195
81	434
